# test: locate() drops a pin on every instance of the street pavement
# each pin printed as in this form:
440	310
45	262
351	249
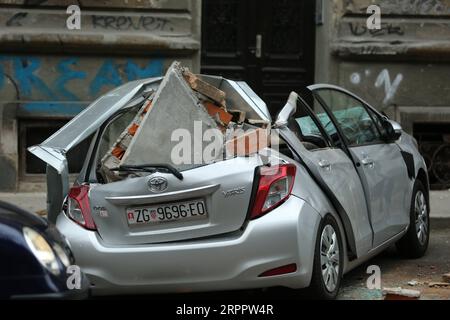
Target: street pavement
395	272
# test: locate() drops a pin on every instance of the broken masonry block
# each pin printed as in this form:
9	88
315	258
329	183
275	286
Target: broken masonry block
205	88
148	106
185	104
259	122
114	155
446	277
133	128
439	284
238	116
413	283
214	110
247	143
118	152
400	294
125	141
176	117
109	161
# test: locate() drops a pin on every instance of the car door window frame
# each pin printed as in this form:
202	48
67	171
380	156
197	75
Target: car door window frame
343	139
310	112
336	123
320	124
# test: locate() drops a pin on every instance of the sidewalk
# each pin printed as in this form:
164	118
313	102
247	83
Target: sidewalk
31	201
440	208
36	202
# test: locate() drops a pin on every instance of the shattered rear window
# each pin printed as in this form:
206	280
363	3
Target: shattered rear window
113	131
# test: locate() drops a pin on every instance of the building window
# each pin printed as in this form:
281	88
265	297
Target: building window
32	132
434	145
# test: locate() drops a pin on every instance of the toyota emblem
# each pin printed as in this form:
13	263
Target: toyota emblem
157	184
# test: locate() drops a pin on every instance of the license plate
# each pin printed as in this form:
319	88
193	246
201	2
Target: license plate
168	212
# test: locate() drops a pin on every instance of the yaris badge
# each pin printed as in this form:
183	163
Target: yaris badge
157	184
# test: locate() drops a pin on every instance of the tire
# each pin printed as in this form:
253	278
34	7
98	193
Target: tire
318	288
414	244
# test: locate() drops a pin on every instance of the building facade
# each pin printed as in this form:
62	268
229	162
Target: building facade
403	68
49	73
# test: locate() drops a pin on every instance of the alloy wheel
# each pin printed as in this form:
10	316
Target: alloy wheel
329	257
420	210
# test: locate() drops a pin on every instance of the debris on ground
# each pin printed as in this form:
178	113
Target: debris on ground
439	285
446	277
413	283
41	213
400	294
185	101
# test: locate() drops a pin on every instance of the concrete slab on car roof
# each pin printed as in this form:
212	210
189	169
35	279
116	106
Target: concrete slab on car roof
174	107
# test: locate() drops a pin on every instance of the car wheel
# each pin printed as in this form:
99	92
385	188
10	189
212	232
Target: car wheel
415	242
328	261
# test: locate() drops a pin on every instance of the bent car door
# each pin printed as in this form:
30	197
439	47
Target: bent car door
380	164
332	169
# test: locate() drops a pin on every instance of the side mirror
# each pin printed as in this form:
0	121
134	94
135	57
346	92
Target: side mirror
393	129
288	111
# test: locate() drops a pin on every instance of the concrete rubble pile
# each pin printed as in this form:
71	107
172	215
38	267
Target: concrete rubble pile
183	101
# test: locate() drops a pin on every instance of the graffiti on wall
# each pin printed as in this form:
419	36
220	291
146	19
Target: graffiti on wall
146	23
417	6
102	22
383	80
70	78
360	29
422	7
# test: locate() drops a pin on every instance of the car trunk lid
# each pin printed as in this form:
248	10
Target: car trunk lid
224	188
53	150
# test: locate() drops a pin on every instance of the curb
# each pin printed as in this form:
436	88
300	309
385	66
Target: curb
440	222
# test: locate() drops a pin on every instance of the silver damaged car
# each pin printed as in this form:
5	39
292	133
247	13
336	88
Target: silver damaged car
342	184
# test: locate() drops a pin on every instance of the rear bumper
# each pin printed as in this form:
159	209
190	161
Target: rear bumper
233	261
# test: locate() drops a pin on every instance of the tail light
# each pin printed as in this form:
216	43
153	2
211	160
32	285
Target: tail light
289	268
77	207
274	187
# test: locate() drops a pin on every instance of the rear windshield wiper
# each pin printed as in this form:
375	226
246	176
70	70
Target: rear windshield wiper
167	168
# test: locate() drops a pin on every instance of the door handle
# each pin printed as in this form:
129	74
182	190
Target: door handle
324	164
368	162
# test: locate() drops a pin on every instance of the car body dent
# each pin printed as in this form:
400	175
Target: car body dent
312	199
53	150
382	229
240	94
406	143
354	244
